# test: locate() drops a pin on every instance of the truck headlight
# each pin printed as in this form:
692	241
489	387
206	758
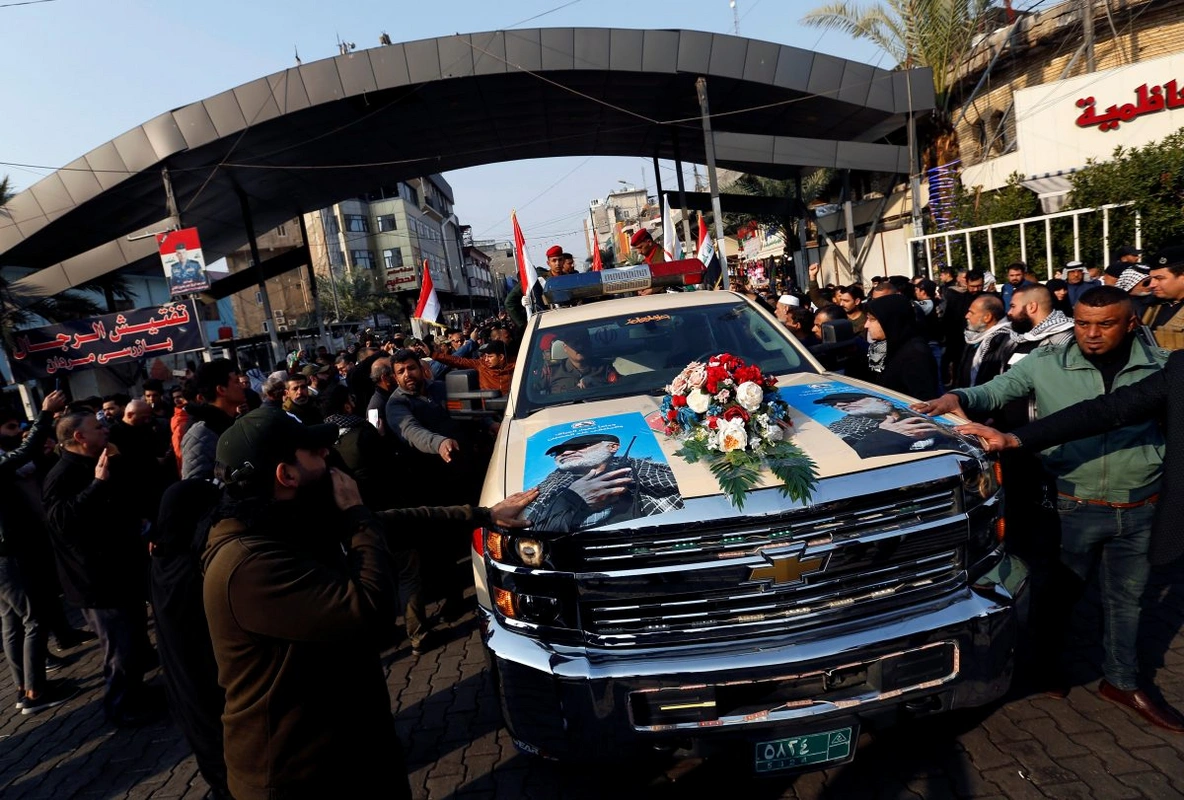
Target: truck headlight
530	551
980	480
524	551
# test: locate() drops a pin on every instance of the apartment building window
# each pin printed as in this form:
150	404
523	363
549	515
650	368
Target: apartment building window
362	259
281	230
392	258
357	223
386	222
409	194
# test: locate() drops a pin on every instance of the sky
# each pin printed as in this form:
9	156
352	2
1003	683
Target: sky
77	73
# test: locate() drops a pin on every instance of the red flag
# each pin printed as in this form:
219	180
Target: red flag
428	307
597	264
527	277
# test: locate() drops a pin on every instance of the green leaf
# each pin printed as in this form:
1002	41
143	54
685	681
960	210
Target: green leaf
736	472
797	471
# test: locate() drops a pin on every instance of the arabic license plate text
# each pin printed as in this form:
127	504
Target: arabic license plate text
801	751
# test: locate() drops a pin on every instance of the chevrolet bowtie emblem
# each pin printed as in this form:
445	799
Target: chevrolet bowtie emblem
784	568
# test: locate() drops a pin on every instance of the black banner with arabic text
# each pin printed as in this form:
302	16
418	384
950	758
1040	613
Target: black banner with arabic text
110	339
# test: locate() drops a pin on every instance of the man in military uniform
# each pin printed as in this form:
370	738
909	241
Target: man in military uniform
578	370
645	245
592	486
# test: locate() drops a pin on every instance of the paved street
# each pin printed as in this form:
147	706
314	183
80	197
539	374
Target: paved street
1028	747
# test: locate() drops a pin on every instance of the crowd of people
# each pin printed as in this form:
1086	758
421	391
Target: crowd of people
1072	379
280	524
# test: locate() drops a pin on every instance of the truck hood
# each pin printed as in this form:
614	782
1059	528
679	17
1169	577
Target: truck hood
845	426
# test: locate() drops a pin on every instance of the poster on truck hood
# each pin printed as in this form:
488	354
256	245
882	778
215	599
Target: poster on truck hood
184	264
109	339
873	424
595	472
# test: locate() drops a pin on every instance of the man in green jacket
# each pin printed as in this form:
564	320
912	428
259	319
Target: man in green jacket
1107	485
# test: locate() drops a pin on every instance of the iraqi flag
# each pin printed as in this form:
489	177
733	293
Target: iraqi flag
428	307
528	277
706	253
670	241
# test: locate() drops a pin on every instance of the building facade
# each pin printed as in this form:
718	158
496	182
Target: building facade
390	235
289	294
1039	108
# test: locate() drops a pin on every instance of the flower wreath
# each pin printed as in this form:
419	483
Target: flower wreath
727	413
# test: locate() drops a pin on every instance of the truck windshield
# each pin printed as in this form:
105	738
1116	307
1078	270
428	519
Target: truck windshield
641	353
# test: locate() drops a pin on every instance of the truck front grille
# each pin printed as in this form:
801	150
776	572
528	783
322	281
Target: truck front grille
844	520
867	556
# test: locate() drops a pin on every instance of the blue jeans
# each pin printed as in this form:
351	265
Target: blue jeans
24	639
1115	541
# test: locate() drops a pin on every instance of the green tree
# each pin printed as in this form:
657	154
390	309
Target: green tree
1012	202
358	300
1152	177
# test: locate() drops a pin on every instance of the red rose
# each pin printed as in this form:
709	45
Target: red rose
713	422
735	412
678	401
672	415
748	374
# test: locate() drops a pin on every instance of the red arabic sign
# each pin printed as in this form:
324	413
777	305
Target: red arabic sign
1150	100
109	339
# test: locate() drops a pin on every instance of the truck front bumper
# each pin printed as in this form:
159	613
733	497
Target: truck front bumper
577	703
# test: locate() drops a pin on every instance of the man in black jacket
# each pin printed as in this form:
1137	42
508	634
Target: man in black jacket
95	528
298	586
24	635
986	342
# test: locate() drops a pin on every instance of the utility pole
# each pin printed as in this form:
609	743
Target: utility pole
735	17
709	148
277	351
1087	23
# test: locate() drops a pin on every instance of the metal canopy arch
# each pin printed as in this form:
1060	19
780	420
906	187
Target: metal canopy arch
307	137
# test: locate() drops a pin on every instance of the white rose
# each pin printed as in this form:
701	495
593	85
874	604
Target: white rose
678	385
698	401
696	375
732	435
750	396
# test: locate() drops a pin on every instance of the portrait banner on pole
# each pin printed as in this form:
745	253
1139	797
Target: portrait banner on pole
184	264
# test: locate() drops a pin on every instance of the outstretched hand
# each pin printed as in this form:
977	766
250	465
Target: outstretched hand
946	404
508	513
993	441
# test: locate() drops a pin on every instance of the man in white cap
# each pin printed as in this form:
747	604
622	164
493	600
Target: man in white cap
1079	284
785	304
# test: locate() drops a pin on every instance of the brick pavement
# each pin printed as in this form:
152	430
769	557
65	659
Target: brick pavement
1026	747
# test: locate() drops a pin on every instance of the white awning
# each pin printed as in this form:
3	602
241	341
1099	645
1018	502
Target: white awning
1052	189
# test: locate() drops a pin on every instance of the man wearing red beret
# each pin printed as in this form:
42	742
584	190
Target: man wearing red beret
555	260
644	244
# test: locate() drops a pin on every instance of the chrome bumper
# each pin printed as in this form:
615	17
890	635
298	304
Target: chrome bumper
578	703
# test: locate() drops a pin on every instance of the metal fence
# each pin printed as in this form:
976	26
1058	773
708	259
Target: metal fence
959	248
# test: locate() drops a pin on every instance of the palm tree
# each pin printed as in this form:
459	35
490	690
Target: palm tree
938	34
